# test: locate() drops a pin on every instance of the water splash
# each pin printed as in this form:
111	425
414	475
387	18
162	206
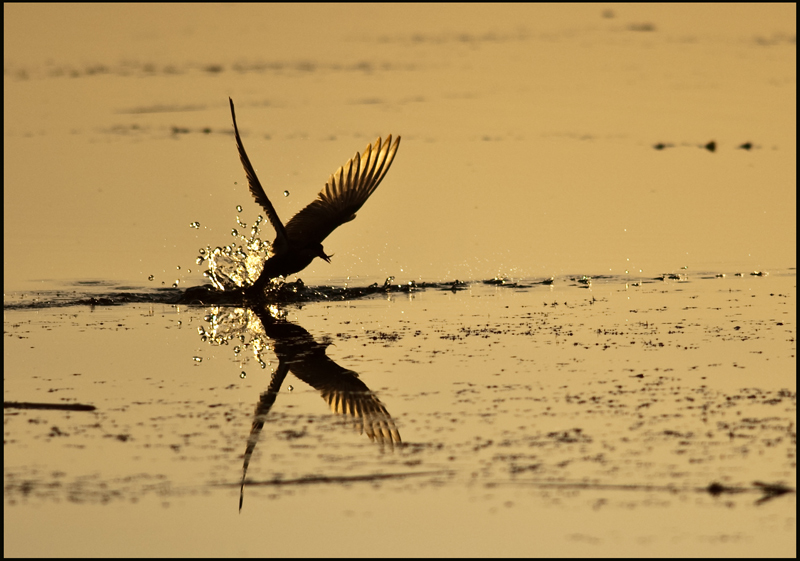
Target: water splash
240	327
239	263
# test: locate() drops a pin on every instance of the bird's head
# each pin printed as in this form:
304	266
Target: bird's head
321	254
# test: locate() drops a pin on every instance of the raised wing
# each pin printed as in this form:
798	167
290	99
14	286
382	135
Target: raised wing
346	192
281	242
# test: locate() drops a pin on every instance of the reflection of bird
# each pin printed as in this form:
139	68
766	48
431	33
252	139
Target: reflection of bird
299	353
300	241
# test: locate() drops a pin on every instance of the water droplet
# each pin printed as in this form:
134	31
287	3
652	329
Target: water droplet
194	225
286	193
290	388
179	267
197	359
243	375
238	208
151	277
234	232
176	283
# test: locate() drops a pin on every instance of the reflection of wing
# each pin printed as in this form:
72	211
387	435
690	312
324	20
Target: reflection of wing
346	191
346	394
368	413
262	409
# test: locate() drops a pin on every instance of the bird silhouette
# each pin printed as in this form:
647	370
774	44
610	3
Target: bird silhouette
300	240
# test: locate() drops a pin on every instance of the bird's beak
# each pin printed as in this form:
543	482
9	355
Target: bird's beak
322	255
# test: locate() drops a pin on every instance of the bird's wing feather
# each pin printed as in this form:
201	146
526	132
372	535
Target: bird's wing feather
345	192
281	240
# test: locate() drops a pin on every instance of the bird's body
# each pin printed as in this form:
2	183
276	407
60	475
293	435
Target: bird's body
300	240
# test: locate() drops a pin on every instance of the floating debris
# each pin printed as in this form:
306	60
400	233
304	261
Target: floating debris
48	406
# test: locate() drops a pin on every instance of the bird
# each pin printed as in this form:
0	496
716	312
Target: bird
300	241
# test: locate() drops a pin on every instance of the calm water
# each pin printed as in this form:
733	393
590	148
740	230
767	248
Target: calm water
642	403
618	416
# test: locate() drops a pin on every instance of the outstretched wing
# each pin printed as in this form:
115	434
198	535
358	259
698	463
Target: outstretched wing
258	191
346	191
